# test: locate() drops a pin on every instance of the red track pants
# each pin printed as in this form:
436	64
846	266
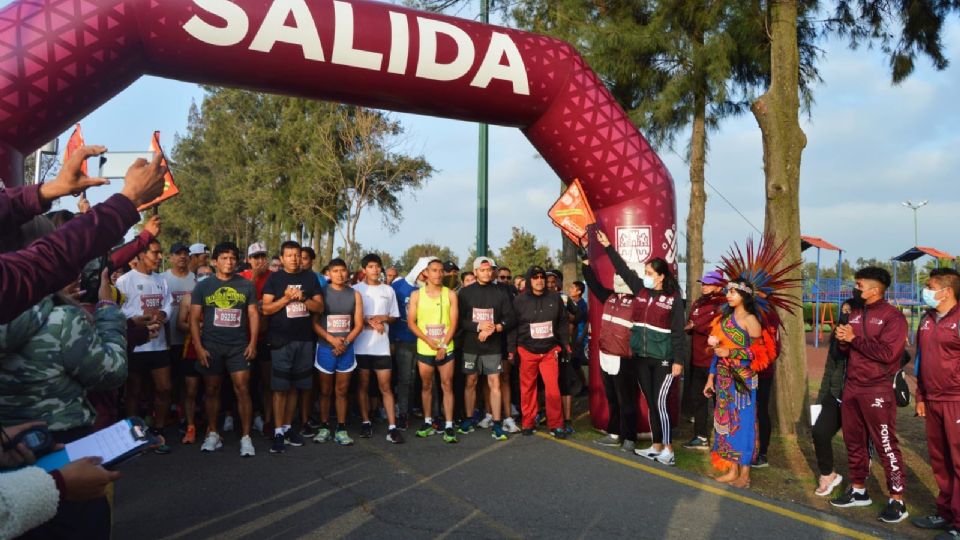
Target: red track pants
547	365
874	417
943	444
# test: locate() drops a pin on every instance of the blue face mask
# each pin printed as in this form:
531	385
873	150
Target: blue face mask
929	298
648	282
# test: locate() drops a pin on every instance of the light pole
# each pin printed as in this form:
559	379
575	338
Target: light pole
482	162
915	207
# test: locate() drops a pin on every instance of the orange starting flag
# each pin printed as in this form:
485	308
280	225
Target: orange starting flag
572	212
74	143
170	189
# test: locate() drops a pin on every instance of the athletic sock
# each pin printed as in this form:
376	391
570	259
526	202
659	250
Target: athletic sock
860	491
391	427
286	428
277	431
427	420
448	425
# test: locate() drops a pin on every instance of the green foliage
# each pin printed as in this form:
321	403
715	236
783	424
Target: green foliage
427	249
522	252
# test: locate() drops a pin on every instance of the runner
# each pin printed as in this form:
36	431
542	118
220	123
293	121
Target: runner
147	302
432	317
540	334
199	255
180	282
289	297
307	257
580	335
508	377
338	327
226	304
188	361
404	341
260	374
486	316
373	345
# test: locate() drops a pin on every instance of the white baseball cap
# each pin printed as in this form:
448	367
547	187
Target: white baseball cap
198	249
255	248
480	261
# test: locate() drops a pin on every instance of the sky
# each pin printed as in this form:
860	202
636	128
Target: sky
870	147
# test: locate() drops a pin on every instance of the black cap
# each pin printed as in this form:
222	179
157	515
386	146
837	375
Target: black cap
450	266
178	246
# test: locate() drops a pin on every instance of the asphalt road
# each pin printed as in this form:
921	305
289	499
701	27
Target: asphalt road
532	487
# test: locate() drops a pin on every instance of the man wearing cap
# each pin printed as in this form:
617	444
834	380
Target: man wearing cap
260	389
486	316
451	275
702	314
180	281
199	256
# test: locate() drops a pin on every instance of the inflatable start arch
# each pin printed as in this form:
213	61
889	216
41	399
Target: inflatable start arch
61	59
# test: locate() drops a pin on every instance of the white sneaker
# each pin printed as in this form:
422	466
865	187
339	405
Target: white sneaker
649	453
258	423
227	424
666	457
246	447
211	443
824	488
486	422
510	425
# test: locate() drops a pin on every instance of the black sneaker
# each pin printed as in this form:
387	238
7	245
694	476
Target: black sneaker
760	462
697	443
308	431
559	433
395	436
951	534
293	438
527	432
895	512
402	422
931	522
278	447
849	499
366	430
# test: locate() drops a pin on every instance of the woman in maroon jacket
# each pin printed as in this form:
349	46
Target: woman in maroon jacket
699	324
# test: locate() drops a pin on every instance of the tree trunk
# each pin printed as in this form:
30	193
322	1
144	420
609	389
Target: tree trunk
777	112
328	245
317	238
698	199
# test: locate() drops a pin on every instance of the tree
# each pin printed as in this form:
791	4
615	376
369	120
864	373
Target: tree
522	252
428	249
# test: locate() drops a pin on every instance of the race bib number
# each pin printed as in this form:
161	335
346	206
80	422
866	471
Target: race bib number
338	323
178	297
541	330
150	303
436	331
482	315
227	318
297	310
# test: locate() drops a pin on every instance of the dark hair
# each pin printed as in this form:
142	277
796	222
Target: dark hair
325	268
661	267
146	248
502	268
309	251
464	274
337	262
225	247
947	277
749	303
59	218
290	244
581	286
874	273
369	258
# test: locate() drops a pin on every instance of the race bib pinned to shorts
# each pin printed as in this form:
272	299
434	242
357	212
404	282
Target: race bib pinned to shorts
227	318
482	315
338	323
436	331
297	310
541	330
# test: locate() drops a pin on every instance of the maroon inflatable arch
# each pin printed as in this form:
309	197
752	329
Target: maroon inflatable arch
61	59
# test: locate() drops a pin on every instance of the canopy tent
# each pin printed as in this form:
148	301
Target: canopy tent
818	292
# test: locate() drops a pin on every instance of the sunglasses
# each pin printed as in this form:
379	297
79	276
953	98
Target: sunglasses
538	276
504	277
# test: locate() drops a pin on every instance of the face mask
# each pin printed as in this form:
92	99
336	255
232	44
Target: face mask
929	298
648	282
450	282
858	295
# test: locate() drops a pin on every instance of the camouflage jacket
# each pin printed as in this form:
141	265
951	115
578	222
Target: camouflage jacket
51	355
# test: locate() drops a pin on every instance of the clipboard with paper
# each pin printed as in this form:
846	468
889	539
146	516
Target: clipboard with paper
115	444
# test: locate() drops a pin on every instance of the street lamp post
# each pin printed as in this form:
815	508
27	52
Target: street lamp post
915	207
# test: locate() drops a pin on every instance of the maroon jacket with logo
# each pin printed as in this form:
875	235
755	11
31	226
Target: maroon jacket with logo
881	333
702	313
938	351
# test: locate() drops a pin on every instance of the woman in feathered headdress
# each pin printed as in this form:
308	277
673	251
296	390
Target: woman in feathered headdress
744	343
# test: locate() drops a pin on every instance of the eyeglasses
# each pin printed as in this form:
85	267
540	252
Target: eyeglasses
504	277
538	276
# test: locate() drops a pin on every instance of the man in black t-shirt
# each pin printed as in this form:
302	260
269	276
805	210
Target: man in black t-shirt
227	305
290	296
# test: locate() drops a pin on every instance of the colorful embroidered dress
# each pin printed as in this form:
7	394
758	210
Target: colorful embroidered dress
735	416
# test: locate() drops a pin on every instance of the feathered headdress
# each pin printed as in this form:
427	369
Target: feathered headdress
760	276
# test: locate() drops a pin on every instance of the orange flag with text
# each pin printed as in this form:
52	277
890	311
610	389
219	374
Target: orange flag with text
73	144
170	189
572	212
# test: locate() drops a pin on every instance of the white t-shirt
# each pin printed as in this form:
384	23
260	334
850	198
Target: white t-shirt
377	300
145	292
178	287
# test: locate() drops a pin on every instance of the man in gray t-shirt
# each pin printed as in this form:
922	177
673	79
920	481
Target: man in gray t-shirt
227	305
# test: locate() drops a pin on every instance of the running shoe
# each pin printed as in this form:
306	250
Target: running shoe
951	534
466	427
449	435
293	438
541	418
930	522
558	433
246	447
609	440
342	438
486	422
278	446
851	498
190	436
649	453
308	431
527	432
697	443
510	425
426	430
826	487
395	436
164	448
895	512
366	430
227	423
323	435
211	443
760	462
568	427
402	422
629	447
498	433
666	457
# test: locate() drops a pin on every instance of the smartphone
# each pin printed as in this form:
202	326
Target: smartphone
844	318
